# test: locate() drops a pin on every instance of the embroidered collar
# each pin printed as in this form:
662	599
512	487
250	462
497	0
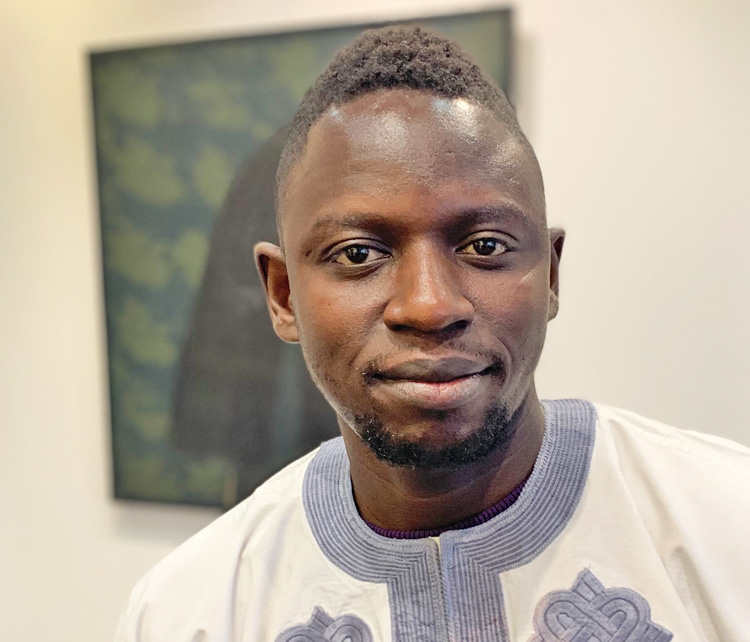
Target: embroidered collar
422	581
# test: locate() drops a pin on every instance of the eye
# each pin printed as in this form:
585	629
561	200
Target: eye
357	254
484	246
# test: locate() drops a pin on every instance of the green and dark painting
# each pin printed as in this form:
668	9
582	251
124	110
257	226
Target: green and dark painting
206	403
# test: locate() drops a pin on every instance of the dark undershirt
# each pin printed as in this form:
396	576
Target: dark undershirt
504	504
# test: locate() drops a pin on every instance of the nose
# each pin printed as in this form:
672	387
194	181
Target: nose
427	296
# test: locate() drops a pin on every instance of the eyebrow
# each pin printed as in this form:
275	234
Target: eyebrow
462	217
350	220
503	210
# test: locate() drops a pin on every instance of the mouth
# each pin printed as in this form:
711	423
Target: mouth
434	384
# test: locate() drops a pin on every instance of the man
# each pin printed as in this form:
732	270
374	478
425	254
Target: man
416	270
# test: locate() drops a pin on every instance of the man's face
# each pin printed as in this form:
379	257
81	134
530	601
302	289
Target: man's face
419	267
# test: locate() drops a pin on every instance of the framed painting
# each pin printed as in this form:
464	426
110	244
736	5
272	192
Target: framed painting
206	403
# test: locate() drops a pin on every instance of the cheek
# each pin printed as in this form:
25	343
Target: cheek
334	327
519	308
531	299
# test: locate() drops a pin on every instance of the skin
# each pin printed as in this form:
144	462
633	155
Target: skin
418	274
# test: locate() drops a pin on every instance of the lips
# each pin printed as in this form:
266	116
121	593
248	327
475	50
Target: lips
432	370
438	384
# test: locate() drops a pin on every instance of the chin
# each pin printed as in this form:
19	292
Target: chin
494	433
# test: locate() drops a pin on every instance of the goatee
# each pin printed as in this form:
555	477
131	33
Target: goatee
495	433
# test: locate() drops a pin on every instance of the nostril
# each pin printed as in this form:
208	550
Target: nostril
455	329
446	332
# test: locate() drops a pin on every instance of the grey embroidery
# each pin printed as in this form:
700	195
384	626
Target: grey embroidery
454	593
591	613
321	627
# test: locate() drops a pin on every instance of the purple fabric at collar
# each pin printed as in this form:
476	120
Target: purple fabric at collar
486	515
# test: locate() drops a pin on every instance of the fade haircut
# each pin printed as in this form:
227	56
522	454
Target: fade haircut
399	57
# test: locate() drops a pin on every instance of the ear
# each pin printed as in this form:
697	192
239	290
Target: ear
271	264
556	241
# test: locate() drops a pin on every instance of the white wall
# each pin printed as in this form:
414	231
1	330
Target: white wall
638	111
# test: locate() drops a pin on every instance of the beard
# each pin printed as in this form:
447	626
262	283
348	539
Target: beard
495	433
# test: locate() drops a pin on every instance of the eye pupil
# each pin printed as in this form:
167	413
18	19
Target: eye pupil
485	247
357	253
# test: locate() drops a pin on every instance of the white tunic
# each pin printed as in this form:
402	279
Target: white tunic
626	531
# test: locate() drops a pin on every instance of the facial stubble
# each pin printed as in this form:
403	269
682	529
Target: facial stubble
495	434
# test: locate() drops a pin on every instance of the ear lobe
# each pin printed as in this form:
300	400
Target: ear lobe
271	264
556	242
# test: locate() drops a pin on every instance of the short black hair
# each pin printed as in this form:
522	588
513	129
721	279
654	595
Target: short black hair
396	57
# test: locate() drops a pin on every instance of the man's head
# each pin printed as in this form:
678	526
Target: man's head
394	58
417	270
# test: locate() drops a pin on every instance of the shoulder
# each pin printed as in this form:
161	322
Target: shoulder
688	491
205	569
275	498
635	436
679	480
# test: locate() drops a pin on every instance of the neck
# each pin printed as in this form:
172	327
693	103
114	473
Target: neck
400	498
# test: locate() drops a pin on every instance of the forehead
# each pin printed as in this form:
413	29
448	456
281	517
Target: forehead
406	145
